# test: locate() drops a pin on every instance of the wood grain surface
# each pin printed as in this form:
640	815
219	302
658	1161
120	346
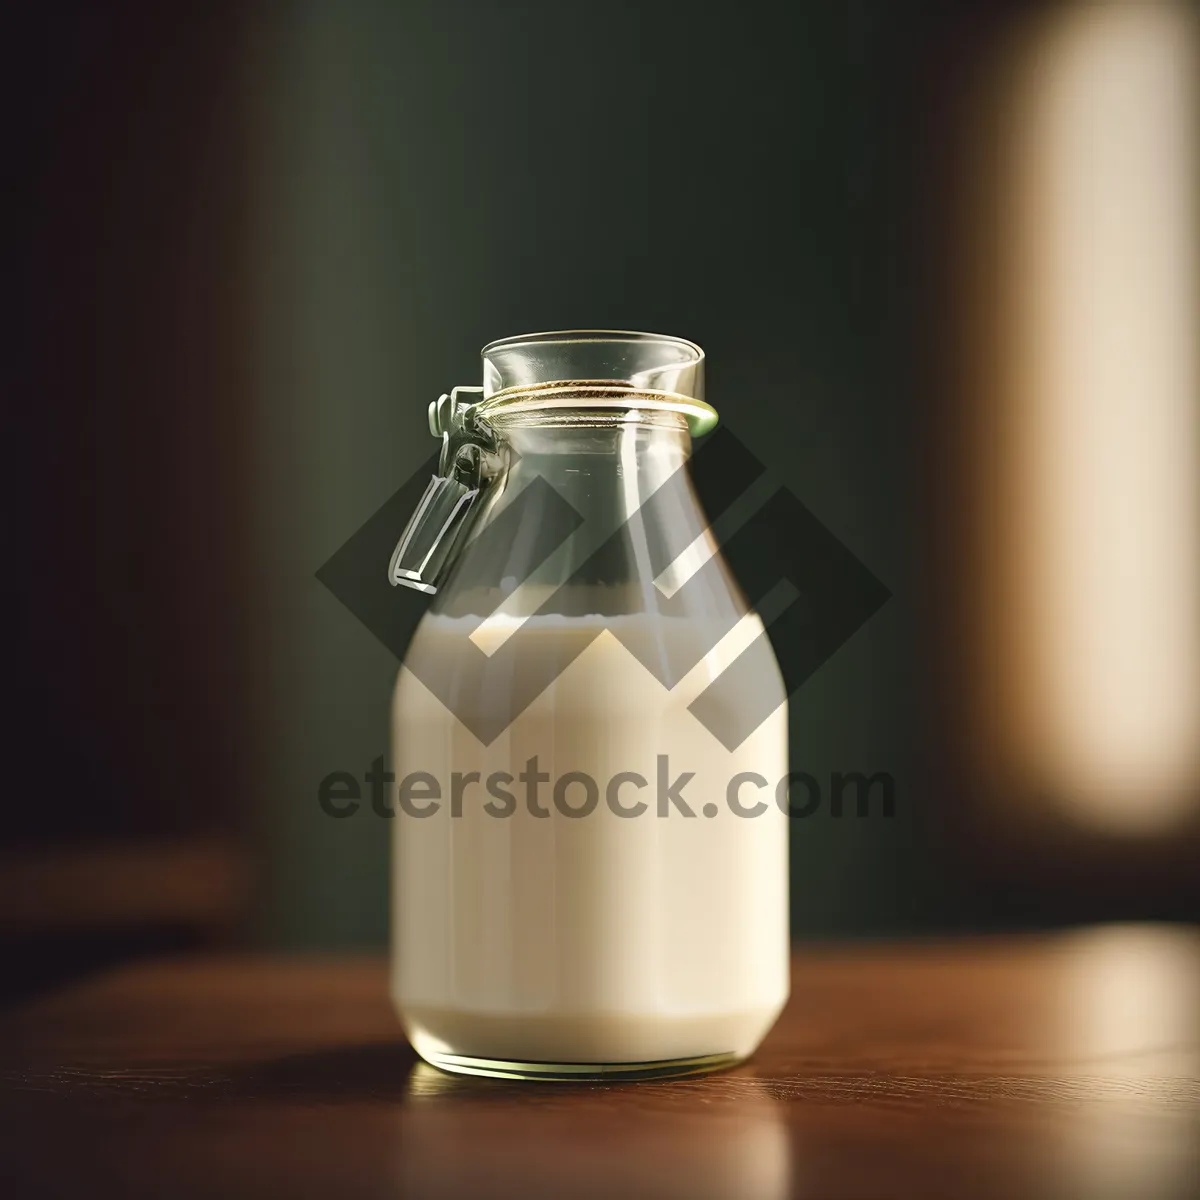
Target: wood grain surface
1061	1065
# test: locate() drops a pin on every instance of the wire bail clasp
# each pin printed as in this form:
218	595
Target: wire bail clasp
426	548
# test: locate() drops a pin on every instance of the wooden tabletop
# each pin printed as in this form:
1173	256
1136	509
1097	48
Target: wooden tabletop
1064	1065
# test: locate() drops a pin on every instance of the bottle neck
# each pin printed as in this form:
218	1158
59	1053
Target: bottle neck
601	469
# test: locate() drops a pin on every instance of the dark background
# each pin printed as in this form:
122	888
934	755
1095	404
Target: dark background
249	243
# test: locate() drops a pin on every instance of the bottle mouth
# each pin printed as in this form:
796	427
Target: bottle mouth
602	373
668	345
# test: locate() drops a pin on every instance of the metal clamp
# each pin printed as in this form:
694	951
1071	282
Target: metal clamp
426	548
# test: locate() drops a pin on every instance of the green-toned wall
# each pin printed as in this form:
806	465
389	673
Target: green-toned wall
431	177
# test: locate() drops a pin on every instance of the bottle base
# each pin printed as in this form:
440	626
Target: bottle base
550	1072
583	1046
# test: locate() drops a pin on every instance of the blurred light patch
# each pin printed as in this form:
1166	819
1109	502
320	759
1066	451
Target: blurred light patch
1128	1015
1131	1003
1097	436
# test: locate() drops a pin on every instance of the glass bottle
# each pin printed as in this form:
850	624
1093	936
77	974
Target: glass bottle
587	880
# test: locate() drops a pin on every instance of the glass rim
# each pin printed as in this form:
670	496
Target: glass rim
570	336
557	369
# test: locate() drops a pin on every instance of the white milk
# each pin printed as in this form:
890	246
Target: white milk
598	939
